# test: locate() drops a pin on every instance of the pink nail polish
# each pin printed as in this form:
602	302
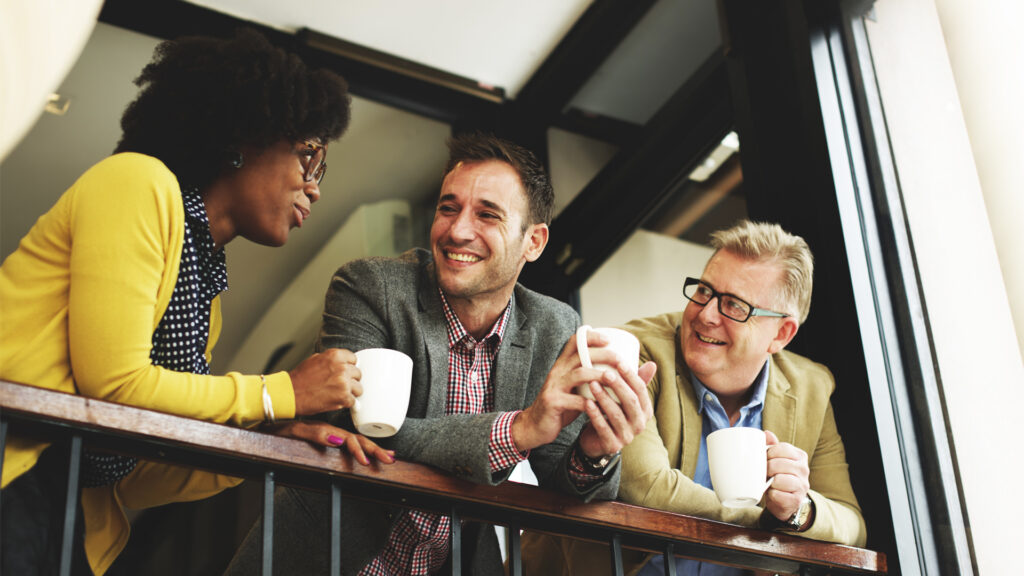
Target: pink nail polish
335	440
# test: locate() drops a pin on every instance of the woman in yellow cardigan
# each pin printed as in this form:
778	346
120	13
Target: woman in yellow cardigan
113	293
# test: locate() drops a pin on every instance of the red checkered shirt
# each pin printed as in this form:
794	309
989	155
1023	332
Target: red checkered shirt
418	543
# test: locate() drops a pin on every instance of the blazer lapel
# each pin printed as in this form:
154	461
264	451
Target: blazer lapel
779	414
691	424
434	331
512	365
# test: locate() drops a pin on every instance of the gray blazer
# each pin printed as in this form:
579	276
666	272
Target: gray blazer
395	303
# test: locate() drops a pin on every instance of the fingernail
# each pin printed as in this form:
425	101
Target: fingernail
335	440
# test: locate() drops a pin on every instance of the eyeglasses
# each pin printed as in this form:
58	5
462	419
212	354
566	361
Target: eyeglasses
730	306
314	160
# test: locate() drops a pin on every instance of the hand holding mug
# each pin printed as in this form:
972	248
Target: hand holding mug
326	381
625	346
558	403
790	468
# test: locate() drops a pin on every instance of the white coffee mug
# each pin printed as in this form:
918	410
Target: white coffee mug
738	462
625	346
387	379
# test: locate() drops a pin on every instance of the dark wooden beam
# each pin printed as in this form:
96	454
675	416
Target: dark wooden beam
635	183
621	133
577	56
370	73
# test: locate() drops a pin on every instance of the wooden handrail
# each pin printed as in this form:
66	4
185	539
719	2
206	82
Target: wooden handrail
250	453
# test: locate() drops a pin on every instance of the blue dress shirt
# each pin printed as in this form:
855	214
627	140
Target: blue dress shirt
714	418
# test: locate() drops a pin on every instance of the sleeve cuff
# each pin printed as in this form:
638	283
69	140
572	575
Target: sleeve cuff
279	385
502	453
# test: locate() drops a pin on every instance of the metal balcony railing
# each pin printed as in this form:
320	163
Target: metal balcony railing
72	419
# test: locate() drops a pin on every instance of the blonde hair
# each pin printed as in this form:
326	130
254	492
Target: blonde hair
765	242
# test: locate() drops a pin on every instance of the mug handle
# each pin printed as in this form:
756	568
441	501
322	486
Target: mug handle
770	480
767	485
581	345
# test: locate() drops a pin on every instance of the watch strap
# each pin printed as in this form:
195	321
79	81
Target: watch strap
599	466
799	521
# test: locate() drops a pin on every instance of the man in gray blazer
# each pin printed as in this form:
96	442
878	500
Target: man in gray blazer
495	367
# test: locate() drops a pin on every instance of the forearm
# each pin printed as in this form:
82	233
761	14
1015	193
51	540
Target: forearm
836	522
837	514
457	443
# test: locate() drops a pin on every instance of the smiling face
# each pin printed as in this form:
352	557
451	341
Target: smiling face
724	354
266	197
480	237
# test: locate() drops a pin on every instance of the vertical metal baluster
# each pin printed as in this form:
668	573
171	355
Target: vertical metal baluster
617	554
70	505
515	556
670	560
456	542
268	523
336	529
3	445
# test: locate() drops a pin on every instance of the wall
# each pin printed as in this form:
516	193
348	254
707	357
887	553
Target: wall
986	53
643	278
974	343
573	162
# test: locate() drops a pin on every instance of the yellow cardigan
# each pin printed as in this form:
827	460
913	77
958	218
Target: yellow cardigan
79	301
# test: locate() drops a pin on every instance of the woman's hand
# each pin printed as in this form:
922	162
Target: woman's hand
323	434
325	382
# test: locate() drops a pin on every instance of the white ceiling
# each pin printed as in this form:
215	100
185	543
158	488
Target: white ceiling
495	42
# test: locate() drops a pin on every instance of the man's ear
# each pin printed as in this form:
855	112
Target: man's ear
787	330
536	239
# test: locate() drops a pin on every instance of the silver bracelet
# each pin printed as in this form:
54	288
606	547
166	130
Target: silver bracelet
268	404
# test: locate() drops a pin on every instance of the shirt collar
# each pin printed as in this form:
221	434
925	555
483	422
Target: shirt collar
457	332
704	395
213	262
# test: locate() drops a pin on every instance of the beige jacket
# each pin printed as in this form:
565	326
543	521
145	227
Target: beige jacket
658	466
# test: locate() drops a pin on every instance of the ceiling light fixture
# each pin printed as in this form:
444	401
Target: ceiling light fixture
57	105
726	148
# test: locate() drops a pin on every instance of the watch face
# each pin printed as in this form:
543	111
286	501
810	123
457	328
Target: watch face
801	515
601	465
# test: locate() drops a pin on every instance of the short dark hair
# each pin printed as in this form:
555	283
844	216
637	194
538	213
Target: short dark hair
203	98
478	147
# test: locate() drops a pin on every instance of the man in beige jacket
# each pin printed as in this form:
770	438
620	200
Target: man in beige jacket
721	363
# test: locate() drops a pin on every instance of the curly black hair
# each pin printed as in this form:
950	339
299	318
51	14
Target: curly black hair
203	98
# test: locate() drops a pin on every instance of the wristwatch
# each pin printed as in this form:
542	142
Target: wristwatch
801	517
597	466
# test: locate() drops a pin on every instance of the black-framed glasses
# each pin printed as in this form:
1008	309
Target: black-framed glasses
314	159
732	307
